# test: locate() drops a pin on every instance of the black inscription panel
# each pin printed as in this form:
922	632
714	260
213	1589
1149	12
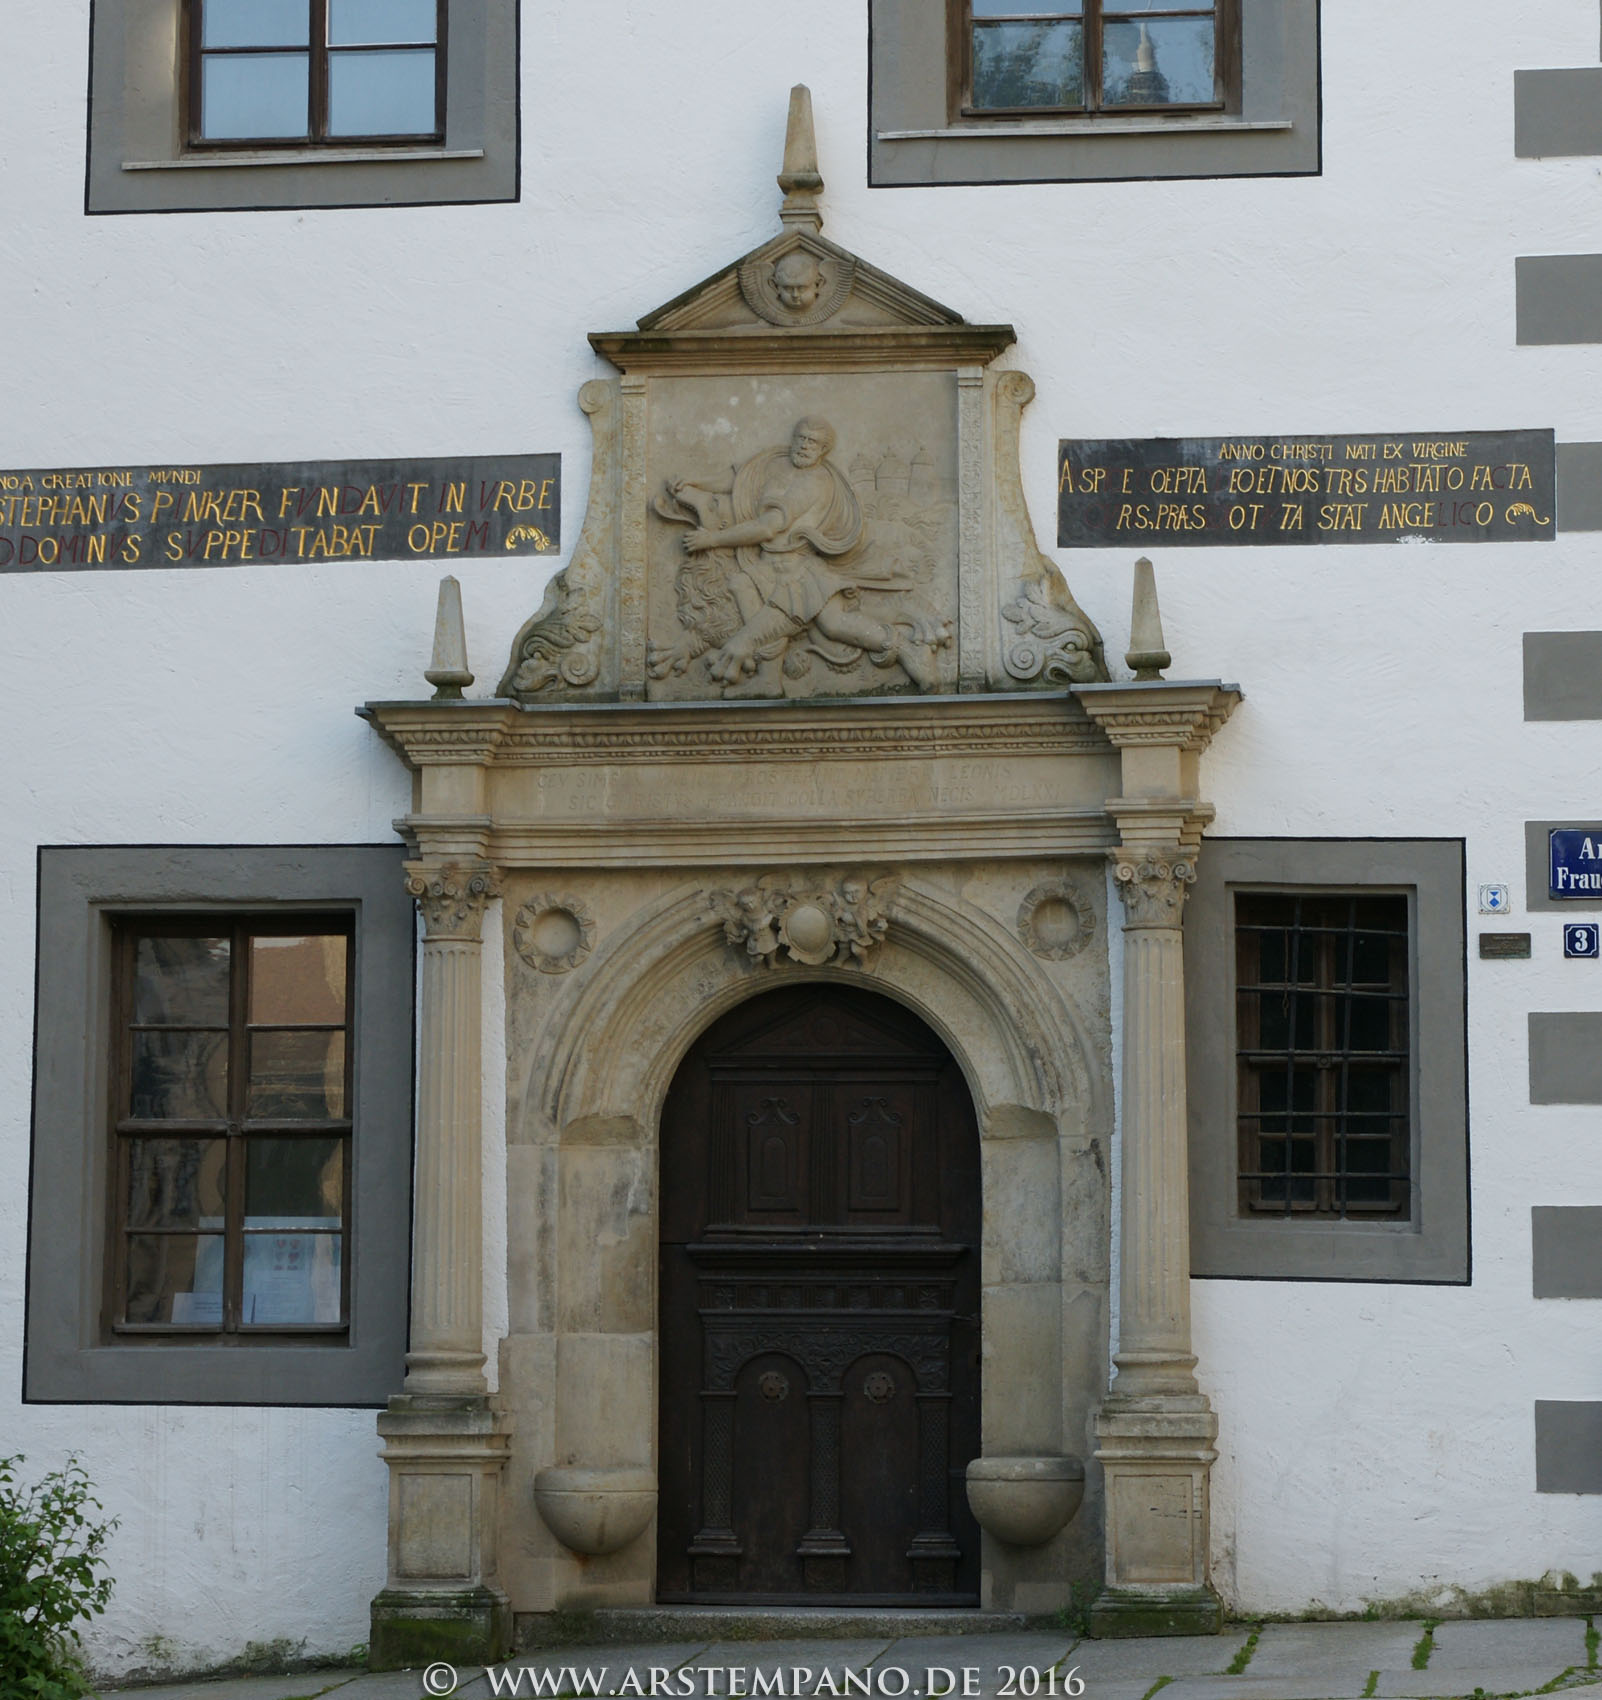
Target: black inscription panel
1472	487
61	519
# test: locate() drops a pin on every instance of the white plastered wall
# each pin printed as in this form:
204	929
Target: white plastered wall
1376	1440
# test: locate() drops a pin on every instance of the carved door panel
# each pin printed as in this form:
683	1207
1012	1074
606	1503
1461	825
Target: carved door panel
819	1309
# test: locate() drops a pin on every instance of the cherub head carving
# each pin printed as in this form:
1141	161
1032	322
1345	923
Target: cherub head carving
797	278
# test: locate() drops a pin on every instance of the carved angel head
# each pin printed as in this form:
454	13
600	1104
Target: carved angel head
797	277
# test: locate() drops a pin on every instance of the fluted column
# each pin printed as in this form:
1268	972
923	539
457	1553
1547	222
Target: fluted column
1154	1354
445	1439
446	1353
1155	1430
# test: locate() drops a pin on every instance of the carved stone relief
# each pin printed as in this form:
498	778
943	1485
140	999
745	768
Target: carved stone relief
1056	920
802	283
553	934
844	923
1154	885
805	485
793	578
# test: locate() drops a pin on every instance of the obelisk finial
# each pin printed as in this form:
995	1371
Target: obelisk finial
449	671
1146	653
800	178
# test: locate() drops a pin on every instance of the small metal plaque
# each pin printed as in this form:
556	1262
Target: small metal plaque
1582	939
1574	863
107	517
1460	487
1504	947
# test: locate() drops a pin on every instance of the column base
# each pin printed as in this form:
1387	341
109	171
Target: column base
465	1626
442	1599
1124	1612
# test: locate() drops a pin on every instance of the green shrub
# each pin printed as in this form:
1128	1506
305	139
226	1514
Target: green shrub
49	1558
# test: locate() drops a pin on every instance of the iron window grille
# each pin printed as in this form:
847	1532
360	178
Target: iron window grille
1323	1055
231	1126
1043	58
315	73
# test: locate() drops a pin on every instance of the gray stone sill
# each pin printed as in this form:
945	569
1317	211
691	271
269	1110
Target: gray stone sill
224	161
1029	130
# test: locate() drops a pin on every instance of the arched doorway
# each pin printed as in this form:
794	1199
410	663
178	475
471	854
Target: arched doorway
819	1325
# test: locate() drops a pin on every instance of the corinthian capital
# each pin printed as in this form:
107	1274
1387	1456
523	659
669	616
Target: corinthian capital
1152	884
452	897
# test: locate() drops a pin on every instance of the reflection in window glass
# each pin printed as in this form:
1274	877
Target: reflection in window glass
1028	65
297	1076
179	1076
254	96
1157	62
255	23
297	981
175	1278
176	1183
294	1183
381	93
359	23
181	982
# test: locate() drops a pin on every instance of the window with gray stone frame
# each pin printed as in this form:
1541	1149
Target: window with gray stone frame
927	125
152	150
1324	999
222	1126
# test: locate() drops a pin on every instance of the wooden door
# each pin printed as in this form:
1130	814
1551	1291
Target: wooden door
819	1309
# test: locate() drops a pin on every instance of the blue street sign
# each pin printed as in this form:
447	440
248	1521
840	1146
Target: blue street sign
1576	863
1582	938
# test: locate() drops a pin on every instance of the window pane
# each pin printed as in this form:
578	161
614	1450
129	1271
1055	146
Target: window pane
1028	65
255	23
1028	8
381	94
179	1075
261	96
175	1278
182	982
294	1183
176	1183
296	981
297	1076
353	23
1163	62
291	1279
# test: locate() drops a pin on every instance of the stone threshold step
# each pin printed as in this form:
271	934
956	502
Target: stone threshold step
621	1626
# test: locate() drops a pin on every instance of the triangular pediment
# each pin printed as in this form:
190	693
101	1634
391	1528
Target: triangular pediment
799	281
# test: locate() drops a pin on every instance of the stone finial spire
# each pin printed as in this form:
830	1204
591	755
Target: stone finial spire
1146	653
799	177
448	671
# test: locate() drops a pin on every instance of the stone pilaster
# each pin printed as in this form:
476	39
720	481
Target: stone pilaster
445	1441
446	1353
1155	1428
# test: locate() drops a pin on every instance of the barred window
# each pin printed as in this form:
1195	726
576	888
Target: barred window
1323	1020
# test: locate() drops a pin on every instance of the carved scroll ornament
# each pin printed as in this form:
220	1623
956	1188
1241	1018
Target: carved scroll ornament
1153	885
452	898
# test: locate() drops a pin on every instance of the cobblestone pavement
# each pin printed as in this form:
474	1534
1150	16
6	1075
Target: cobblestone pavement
1297	1661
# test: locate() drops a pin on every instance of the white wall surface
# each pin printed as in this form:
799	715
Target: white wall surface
1376	1441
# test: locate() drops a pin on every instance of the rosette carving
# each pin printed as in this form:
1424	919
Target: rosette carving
452	897
1153	884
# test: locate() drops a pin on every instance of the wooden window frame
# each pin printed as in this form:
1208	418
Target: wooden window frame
318	51
237	1126
1226	65
1324	1191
